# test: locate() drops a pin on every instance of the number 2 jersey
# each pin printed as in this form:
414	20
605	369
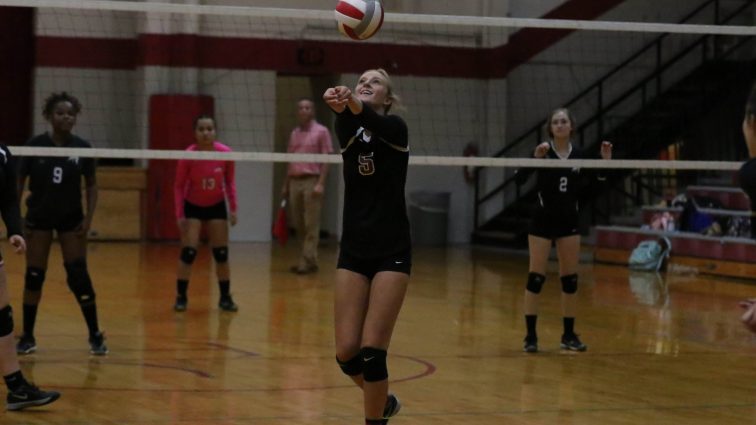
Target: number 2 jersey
204	183
55	182
558	190
375	152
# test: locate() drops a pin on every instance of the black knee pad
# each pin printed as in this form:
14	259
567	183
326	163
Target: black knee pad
188	254
79	281
569	283
351	367
220	253
535	282
373	364
6	321
34	279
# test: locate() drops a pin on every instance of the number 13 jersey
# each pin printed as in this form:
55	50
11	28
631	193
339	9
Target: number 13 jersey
204	182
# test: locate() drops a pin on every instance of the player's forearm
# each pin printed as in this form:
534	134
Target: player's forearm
355	105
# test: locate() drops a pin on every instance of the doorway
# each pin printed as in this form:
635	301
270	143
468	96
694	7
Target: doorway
289	89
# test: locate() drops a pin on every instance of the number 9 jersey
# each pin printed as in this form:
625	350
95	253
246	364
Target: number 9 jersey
55	182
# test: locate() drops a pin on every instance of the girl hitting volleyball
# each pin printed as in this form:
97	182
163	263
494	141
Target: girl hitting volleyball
201	191
375	253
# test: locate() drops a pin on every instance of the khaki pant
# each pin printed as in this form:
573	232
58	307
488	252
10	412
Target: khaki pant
305	210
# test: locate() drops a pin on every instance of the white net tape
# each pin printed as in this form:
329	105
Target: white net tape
414	160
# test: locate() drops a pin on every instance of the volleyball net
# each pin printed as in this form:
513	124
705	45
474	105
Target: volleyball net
464	80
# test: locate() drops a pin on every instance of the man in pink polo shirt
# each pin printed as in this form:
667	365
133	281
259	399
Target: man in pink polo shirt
304	183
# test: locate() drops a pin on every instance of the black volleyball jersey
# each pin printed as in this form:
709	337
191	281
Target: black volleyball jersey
55	182
9	192
375	152
559	188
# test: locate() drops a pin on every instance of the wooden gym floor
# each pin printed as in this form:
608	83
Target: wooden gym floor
666	350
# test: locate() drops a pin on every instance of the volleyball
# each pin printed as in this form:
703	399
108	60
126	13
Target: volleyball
359	19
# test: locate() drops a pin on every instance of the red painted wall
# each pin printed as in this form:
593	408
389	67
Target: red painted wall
171	119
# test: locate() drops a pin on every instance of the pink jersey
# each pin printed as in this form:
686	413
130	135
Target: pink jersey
204	183
312	138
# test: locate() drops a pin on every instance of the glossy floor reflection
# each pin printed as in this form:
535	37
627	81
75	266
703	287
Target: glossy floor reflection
664	349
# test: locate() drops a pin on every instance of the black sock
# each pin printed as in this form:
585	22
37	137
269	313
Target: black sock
569	325
181	286
530	322
89	311
224	286
30	318
14	381
376	421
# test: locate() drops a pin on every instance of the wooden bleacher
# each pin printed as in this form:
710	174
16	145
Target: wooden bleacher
120	204
731	198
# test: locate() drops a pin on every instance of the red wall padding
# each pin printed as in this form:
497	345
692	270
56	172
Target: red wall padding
171	119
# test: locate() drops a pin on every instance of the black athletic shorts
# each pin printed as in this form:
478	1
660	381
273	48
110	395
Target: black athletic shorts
213	212
369	267
554	226
61	224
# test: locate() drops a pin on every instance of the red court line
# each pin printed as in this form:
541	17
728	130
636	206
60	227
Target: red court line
429	369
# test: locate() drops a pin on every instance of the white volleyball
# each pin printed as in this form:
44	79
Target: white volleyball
359	19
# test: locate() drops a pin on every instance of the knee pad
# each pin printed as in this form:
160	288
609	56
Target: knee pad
535	282
34	279
79	281
188	254
351	367
6	321
373	364
220	253
569	283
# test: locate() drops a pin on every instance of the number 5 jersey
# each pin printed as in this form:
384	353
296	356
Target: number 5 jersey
375	152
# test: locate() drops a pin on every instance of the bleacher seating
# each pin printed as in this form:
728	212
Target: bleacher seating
721	255
730	197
